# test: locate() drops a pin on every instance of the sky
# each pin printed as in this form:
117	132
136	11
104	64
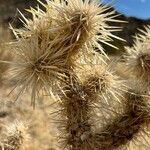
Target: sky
136	8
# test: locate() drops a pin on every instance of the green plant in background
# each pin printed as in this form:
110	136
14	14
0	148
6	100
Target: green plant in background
54	54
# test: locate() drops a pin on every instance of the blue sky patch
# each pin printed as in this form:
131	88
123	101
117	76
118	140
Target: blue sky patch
136	8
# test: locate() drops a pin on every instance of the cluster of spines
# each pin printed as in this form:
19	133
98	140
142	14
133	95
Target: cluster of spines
15	136
137	60
46	52
138	57
47	48
79	99
125	127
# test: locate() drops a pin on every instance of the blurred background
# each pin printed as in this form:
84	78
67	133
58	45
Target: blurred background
135	12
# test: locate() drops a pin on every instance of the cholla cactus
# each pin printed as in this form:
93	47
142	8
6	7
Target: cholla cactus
46	49
81	25
138	65
81	96
124	128
47	53
16	135
99	78
74	25
36	67
138	57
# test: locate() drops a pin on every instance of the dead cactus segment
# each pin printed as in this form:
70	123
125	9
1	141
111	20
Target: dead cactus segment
77	107
78	99
76	113
124	128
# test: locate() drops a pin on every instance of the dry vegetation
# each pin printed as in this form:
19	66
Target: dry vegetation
60	90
